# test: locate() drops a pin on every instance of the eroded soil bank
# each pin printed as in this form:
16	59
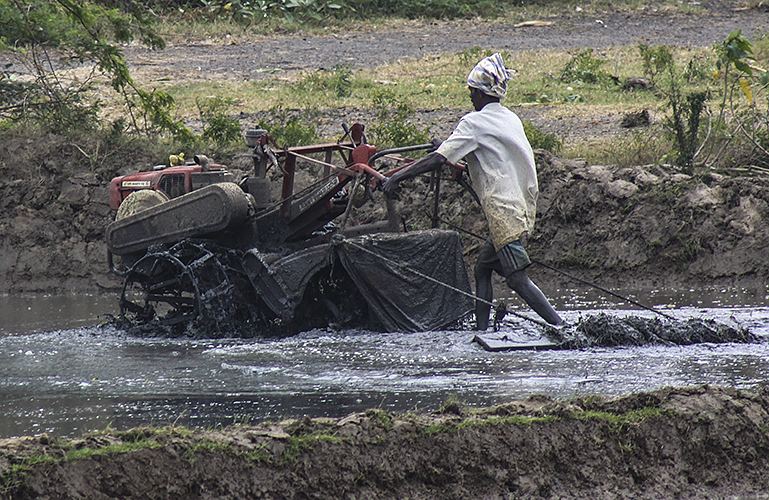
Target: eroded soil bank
703	442
645	225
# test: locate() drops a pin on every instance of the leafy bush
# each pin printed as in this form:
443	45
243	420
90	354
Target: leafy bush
542	140
219	129
684	124
306	11
290	128
83	31
721	135
393	128
246	12
317	11
435	9
584	68
150	113
655	60
242	12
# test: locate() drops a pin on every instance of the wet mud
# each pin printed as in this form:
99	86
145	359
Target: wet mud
606	330
687	443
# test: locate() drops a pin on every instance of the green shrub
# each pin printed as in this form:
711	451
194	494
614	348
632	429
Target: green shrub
434	9
655	60
393	128
291	128
219	130
584	68
542	140
684	125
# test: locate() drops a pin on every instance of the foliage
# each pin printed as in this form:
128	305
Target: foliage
338	81
655	60
684	124
241	12
219	130
341	81
393	128
433	9
303	13
736	67
290	128
150	113
47	37
704	132
584	68
541	140
246	12
736	119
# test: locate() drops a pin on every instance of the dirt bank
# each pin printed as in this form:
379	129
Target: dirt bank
646	225
686	443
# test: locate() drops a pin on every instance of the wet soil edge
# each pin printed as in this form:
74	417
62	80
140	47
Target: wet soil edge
642	226
701	442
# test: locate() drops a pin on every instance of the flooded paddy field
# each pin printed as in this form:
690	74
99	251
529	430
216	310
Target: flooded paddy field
62	372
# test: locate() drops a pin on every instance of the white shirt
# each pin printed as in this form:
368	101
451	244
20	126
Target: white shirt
501	165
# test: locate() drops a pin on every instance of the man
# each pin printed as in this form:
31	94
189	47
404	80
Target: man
501	164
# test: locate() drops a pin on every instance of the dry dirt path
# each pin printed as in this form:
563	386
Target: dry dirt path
368	49
285	54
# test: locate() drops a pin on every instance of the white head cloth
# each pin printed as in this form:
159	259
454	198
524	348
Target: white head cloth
490	76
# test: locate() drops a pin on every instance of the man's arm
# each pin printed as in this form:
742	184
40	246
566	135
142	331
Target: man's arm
426	164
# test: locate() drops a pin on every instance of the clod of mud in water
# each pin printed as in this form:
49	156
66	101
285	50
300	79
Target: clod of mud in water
609	331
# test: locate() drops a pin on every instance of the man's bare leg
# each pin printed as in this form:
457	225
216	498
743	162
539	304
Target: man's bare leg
485	292
520	283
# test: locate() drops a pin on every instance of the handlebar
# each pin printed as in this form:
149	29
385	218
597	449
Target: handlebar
404	149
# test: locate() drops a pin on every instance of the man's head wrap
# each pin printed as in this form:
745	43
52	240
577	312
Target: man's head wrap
490	76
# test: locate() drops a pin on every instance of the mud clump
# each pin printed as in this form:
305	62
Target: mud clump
604	330
703	442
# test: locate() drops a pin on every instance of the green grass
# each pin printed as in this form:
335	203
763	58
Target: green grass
617	421
561	82
298	444
85	453
433	82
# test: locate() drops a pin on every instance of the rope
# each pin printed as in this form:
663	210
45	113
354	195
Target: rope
350	203
626	299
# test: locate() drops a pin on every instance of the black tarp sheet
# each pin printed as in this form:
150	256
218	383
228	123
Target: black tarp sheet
412	281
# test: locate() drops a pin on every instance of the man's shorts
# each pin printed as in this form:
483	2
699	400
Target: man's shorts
511	258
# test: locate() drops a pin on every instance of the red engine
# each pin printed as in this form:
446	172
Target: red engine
173	181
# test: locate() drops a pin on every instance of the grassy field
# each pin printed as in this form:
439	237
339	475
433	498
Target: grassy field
571	84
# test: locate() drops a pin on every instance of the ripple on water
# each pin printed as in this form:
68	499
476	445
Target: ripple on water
68	381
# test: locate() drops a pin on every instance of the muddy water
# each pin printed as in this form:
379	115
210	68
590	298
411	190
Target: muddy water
62	373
